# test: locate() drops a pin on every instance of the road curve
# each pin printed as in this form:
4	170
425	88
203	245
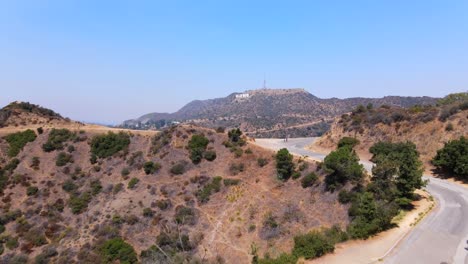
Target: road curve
441	237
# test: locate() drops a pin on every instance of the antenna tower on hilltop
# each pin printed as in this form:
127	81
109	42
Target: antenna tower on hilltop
264	82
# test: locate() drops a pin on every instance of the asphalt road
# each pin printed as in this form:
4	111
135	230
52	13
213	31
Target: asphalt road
441	237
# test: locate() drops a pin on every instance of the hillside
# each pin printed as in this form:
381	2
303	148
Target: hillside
77	195
428	127
269	112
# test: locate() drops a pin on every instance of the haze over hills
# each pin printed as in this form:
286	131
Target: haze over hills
269	112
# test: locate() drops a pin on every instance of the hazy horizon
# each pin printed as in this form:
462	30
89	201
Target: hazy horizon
109	61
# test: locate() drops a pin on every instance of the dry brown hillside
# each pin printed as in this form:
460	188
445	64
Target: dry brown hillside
429	127
61	203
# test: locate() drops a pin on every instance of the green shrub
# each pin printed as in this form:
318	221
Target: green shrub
96	187
35	162
178	168
11	243
312	245
209	155
147	212
132	183
309	180
236	168
117	249
214	186
18	140
117	188
40	130
262	162
235	136
104	146
32	190
69	186
197	146
63	158
125	172
185	215
231	182
150	167
163	204
284	164
296	175
56	139
348	142
453	158
79	203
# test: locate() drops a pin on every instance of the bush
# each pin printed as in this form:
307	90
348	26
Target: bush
163	204
104	146
117	188
56	139
309	180
18	140
96	187
117	249
125	172
312	245
296	175
79	203
63	158
150	167
178	168
69	186
185	215
40	130
35	162
236	168
262	162
214	186
348	142
32	190
453	158
231	182
284	164
209	155
147	212
197	146
235	135
132	183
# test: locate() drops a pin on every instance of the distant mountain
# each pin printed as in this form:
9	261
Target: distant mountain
269	112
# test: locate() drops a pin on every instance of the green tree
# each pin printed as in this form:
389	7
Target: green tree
342	166
407	166
197	146
117	249
284	164
348	142
104	146
453	157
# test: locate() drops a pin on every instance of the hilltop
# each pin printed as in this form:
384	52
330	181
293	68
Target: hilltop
70	194
429	127
269	112
24	113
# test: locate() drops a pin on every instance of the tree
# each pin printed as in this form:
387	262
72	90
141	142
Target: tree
235	135
197	146
342	166
407	167
453	157
348	142
284	164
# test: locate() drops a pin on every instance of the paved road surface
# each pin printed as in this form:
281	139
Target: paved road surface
441	237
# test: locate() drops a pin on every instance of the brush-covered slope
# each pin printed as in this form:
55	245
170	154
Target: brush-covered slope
23	113
429	127
84	196
269	112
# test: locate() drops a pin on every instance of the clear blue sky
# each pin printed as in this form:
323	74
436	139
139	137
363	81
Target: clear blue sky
108	61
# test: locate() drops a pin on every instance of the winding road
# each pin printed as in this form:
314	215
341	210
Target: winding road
440	238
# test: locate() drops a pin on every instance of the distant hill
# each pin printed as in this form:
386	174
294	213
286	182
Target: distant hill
24	113
269	112
429	127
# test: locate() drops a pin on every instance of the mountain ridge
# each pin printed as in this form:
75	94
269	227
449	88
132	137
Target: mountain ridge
257	111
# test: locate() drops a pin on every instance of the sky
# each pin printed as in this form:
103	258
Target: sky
108	61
